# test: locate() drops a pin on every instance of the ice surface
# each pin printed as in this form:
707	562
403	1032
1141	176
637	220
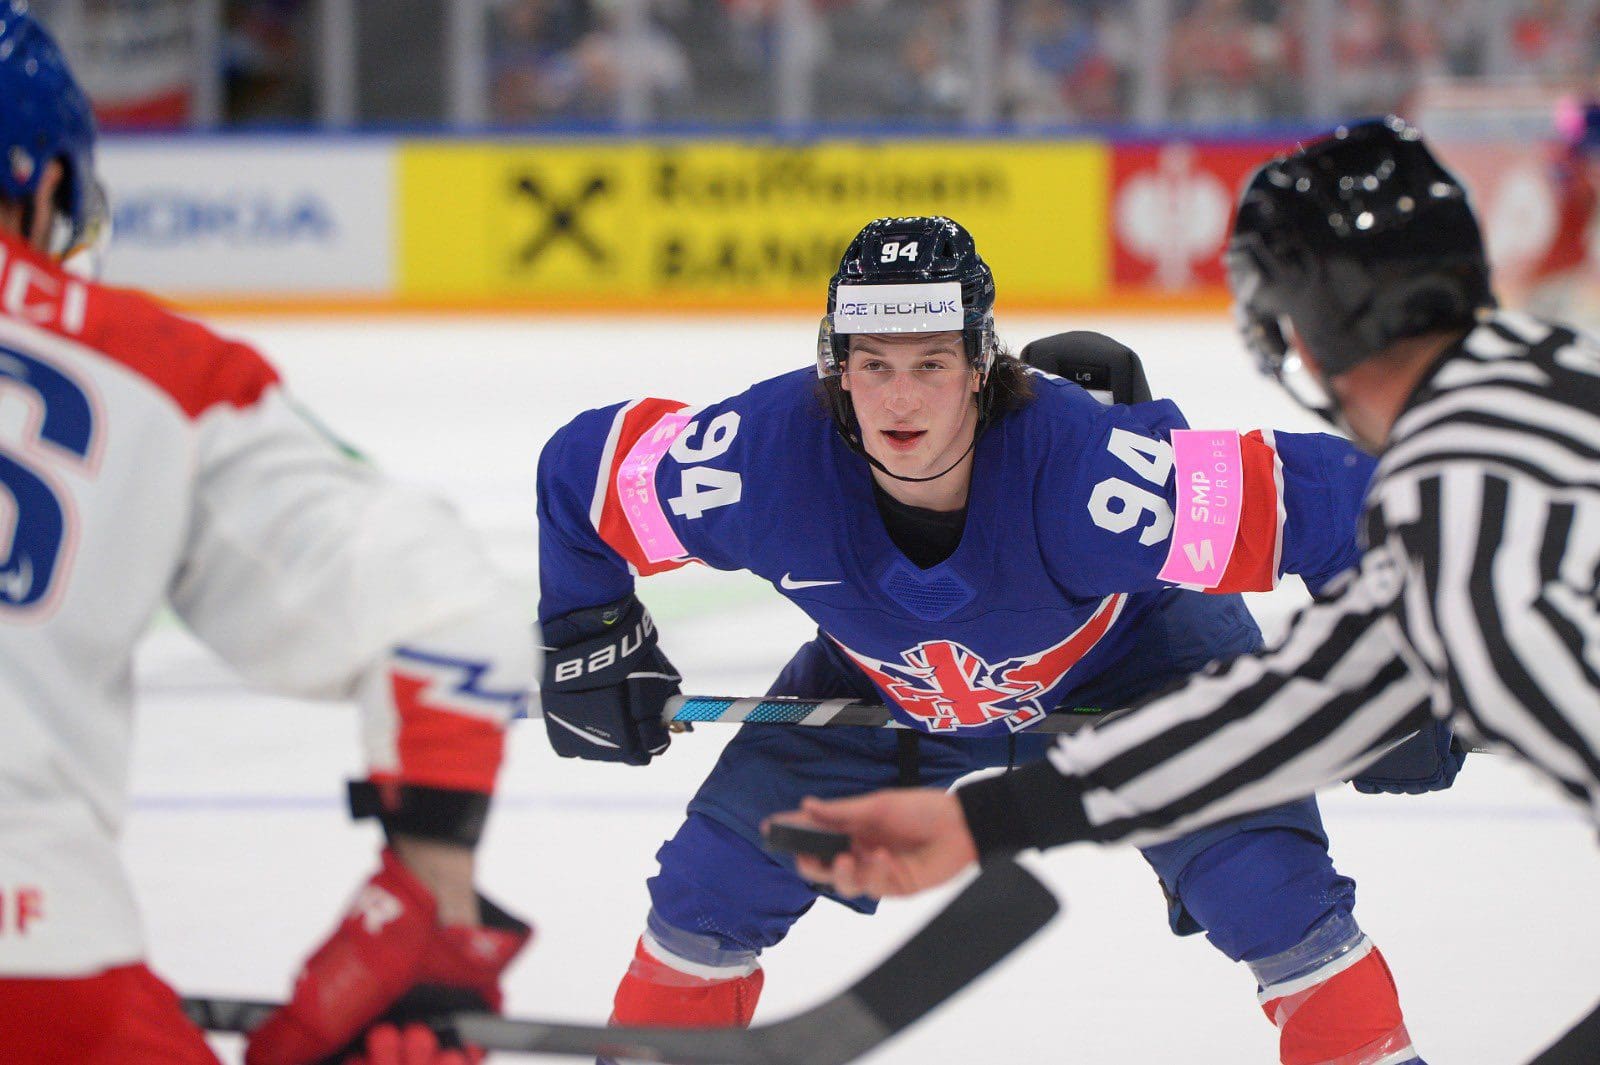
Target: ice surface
1481	897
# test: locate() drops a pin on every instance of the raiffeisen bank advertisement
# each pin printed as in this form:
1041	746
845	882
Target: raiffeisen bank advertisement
709	223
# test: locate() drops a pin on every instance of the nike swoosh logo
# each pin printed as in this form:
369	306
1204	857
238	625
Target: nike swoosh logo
789	584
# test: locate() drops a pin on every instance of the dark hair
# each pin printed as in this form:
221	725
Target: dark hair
1011	384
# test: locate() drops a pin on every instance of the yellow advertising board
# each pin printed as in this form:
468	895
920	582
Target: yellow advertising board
706	223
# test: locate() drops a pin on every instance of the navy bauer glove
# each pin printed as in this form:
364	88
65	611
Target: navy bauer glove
606	684
1428	761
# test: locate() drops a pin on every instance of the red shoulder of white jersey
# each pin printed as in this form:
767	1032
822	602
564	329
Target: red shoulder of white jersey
194	366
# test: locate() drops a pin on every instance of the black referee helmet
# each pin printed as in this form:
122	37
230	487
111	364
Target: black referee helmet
1360	240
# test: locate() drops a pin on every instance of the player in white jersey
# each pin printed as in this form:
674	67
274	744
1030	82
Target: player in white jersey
145	460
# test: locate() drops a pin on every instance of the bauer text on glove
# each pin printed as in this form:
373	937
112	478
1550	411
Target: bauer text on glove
606	684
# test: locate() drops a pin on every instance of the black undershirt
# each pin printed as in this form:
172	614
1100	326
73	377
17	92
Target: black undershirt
926	537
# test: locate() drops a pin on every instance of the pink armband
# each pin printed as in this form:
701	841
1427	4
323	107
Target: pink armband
636	490
1209	471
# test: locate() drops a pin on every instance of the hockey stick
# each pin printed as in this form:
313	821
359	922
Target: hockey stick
996	913
1581	1044
854	713
832	713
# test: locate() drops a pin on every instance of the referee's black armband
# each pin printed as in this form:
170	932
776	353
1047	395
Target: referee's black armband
444	814
1035	806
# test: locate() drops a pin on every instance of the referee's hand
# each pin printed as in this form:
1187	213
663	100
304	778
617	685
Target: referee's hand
902	841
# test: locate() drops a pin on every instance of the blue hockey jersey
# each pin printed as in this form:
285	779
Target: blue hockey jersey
1069	522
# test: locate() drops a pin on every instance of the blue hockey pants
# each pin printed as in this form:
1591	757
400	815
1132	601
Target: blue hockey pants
1257	886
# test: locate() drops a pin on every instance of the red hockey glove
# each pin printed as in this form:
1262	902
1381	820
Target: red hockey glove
389	961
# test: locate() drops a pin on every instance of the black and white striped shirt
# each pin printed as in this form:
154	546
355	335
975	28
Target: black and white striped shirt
1475	600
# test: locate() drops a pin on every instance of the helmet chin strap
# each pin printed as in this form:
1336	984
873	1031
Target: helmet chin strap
860	446
881	468
1325	404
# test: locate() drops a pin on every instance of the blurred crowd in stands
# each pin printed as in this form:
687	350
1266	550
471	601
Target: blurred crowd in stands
1060	61
1042	63
267	55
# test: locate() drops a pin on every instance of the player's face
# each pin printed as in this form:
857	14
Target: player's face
915	396
12	215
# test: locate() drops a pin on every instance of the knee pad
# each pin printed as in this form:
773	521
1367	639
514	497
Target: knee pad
666	990
1256	889
1334	1001
714	881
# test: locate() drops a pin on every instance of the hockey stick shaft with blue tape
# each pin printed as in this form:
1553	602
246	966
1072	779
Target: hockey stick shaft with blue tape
685	710
832	713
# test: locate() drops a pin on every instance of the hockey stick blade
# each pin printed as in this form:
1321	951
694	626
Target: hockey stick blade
998	912
995	914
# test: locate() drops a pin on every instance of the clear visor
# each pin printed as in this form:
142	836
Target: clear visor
828	362
82	249
1306	389
1270	338
833	347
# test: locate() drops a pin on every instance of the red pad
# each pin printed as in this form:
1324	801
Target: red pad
614	527
1253	566
118	1016
653	993
442	748
194	366
1352	1018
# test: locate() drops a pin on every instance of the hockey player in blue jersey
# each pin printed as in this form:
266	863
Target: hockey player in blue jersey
978	544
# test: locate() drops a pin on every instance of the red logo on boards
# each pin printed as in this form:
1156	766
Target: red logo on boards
1171	208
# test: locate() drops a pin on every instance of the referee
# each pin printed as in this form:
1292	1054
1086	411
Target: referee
1361	284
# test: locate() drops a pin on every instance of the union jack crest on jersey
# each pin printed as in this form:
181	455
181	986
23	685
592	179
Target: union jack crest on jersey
948	687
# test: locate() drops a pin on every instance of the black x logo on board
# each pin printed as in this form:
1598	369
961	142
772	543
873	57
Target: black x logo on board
561	219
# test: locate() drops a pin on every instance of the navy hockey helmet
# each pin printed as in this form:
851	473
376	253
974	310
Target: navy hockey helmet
47	117
907	275
1358	240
